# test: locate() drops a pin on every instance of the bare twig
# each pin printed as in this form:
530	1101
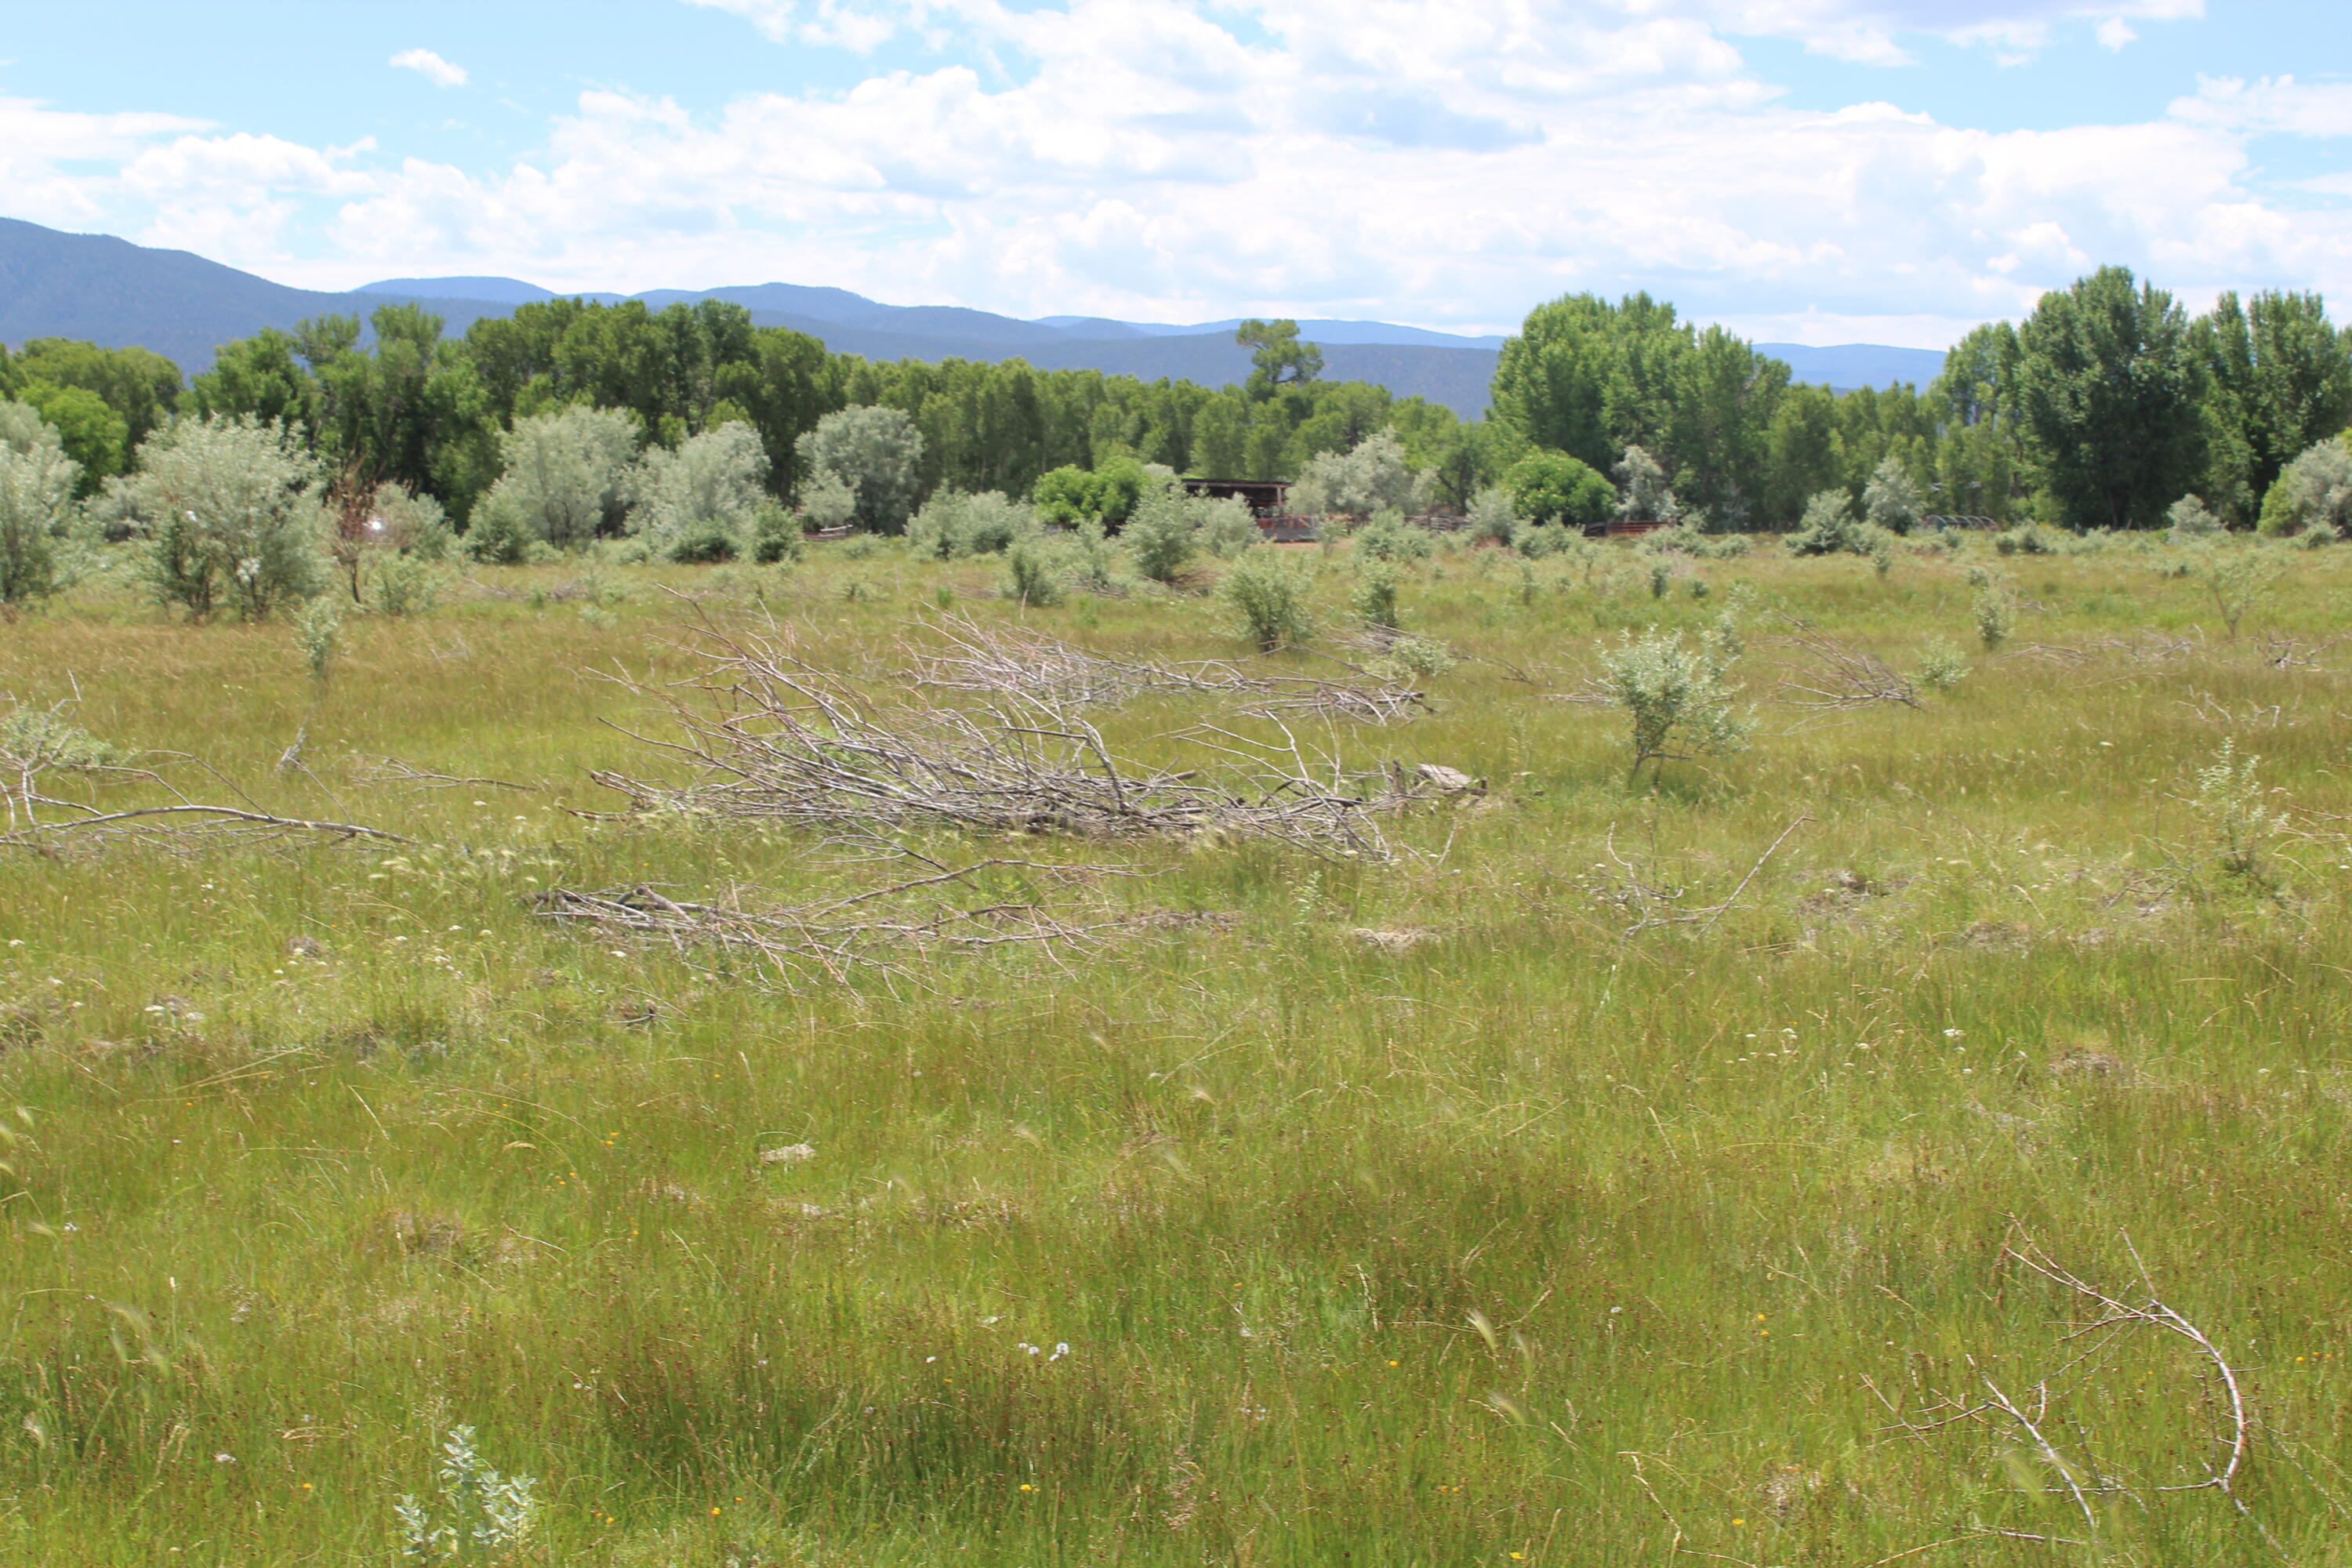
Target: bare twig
837	939
1014	662
1836	675
391	771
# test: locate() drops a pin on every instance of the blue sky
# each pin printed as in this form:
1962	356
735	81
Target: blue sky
1810	170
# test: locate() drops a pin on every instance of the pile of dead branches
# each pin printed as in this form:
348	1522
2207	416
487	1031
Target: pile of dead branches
39	746
1011	662
872	934
766	737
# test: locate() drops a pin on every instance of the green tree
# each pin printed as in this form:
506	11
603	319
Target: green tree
2279	378
1724	394
94	435
1803	452
142	386
1460	456
260	379
1278	359
1981	467
1589	378
2110	394
1552	486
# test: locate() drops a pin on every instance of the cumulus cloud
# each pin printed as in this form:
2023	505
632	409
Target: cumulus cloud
431	66
1420	160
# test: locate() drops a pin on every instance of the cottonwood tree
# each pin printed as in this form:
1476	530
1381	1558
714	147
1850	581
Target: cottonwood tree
2279	379
1278	359
2110	393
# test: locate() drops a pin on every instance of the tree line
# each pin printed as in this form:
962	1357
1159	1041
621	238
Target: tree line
2103	408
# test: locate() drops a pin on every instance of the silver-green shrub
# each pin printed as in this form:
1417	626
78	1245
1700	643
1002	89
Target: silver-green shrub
238	522
1266	596
878	452
566	479
700	501
38	550
1677	699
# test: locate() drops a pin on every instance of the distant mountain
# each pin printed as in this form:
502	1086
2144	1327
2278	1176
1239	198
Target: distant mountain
115	294
1849	366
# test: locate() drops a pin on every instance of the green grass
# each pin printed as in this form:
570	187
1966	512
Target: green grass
1533	1243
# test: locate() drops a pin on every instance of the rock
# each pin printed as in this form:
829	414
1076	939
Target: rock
1449	781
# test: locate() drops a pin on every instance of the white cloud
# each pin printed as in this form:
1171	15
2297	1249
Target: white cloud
2114	33
2274	104
1430	161
431	66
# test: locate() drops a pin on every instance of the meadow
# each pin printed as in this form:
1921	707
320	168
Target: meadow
1625	1168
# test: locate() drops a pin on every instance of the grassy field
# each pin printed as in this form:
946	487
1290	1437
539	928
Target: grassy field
1402	1213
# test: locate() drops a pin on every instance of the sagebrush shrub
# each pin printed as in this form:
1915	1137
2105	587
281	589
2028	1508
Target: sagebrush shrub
36	507
1033	576
1267	596
1677	699
1942	666
1375	599
239	524
2237	811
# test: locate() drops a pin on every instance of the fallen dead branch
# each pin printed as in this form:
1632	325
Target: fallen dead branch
872	932
383	773
38	744
1653	905
2061	1439
769	738
1835	674
1011	662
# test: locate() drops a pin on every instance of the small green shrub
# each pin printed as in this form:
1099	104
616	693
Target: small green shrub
1677	699
1032	575
1375	600
1267	598
318	635
2237	580
1162	536
2237	811
484	1516
399	584
1996	617
1942	666
1830	528
1388	537
1410	659
776	538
